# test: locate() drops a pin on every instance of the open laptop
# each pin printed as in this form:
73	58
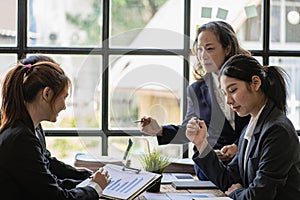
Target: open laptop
128	148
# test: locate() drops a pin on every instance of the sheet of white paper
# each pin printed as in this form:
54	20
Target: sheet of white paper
155	196
188	196
213	198
125	183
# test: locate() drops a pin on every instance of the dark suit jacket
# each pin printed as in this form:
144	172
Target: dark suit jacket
202	103
23	172
60	169
272	163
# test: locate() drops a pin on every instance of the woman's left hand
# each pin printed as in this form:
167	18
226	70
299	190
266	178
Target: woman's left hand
233	187
228	151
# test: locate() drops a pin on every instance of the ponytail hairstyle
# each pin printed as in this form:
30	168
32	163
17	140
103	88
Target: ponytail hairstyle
23	82
273	78
227	38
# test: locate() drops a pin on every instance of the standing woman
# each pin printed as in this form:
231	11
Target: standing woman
267	165
215	43
31	94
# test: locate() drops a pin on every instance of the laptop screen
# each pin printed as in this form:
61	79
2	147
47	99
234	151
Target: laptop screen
125	157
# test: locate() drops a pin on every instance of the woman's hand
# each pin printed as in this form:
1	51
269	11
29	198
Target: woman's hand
196	132
101	177
229	151
84	169
232	188
150	126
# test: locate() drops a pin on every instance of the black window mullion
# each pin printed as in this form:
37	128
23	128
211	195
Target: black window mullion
186	66
105	74
266	30
21	28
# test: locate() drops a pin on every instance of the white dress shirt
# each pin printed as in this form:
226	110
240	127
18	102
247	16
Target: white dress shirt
249	133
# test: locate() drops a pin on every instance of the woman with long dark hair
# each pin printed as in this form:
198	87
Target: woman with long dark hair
267	164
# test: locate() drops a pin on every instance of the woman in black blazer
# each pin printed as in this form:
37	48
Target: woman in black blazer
67	174
30	94
267	165
216	41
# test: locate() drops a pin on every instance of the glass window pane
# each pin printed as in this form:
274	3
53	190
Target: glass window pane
245	17
292	24
147	24
84	106
6	62
65	148
64	23
285	25
141	146
8	25
292	67
144	85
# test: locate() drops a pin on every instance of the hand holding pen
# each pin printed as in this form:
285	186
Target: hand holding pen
149	126
196	132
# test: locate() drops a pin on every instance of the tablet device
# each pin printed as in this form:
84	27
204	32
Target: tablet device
170	177
196	184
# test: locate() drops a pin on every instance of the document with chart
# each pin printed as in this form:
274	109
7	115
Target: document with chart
126	183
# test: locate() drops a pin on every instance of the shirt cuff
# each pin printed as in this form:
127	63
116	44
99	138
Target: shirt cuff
96	187
92	184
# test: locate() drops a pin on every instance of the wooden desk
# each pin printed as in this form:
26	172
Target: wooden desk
165	188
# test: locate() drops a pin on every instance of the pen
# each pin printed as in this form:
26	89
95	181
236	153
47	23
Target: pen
138	121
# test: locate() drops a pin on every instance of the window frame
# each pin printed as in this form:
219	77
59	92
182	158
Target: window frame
21	49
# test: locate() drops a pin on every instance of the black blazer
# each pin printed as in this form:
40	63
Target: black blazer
202	103
24	174
60	169
272	163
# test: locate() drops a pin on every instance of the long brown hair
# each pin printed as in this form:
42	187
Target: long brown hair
227	38
23	82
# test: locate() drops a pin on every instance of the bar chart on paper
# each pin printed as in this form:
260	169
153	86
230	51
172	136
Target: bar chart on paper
123	187
124	184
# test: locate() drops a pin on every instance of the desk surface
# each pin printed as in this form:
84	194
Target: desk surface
164	188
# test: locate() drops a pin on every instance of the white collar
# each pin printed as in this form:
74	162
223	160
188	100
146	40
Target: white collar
252	124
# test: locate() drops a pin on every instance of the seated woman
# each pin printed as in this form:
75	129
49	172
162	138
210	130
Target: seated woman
30	94
267	164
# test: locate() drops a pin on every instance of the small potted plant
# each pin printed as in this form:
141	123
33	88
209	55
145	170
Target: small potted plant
156	163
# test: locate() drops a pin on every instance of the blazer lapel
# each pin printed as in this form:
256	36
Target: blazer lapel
258	129
256	135
243	144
